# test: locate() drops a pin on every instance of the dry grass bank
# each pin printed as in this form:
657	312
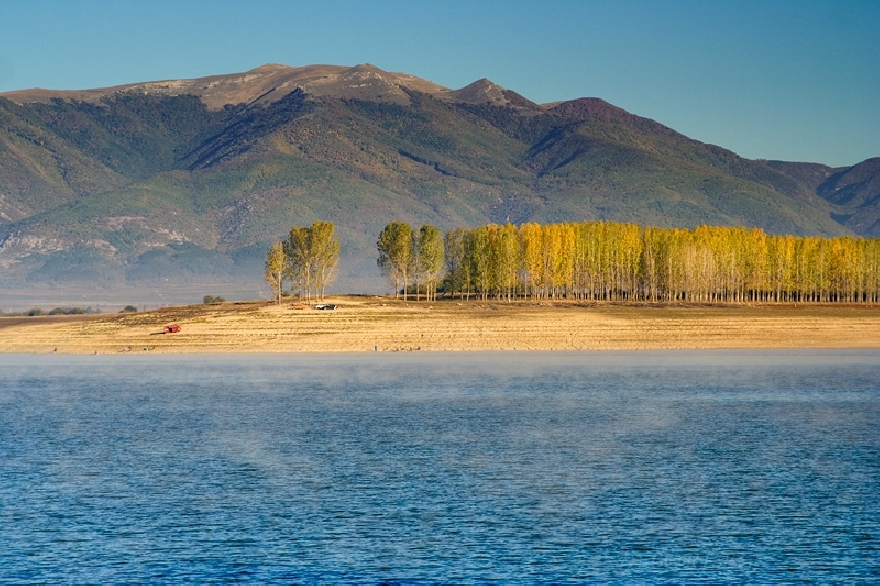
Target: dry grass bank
368	323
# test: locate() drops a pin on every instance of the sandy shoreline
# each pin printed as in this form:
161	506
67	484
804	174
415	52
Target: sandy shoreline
377	324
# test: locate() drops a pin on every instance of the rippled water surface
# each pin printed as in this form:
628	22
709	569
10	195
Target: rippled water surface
656	466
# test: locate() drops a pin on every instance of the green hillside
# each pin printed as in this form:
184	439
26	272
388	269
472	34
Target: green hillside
130	185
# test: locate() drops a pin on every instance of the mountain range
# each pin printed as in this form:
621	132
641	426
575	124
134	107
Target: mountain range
191	180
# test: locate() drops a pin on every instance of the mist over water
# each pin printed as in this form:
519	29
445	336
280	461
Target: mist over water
652	466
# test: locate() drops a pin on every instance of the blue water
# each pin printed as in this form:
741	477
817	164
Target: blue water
420	467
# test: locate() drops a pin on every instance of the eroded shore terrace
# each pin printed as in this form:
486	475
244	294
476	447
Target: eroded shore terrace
365	324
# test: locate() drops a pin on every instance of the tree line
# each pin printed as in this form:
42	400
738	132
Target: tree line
607	261
406	256
307	259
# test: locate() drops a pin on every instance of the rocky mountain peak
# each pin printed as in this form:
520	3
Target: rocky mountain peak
480	92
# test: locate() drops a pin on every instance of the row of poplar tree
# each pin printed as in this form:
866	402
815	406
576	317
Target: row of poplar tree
407	256
307	259
606	261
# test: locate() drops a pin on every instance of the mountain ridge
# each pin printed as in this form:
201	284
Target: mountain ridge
196	177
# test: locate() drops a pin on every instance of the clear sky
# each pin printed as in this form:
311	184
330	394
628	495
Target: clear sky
776	79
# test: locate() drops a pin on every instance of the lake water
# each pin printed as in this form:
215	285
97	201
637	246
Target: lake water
452	467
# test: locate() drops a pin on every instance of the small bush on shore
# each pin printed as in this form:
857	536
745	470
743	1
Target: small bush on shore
67	311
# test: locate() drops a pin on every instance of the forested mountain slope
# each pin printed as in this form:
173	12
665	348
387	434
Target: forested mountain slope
197	177
853	191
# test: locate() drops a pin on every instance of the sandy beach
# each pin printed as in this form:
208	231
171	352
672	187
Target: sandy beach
366	324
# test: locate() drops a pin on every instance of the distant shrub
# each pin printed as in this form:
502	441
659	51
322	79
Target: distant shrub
34	311
209	299
69	311
129	309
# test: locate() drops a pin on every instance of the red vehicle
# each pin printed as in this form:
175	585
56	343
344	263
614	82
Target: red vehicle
171	329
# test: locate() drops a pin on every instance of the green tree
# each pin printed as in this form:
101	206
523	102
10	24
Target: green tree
324	251
430	258
481	258
276	269
311	255
299	260
453	243
395	247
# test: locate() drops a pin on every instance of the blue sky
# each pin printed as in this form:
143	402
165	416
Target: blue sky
785	79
